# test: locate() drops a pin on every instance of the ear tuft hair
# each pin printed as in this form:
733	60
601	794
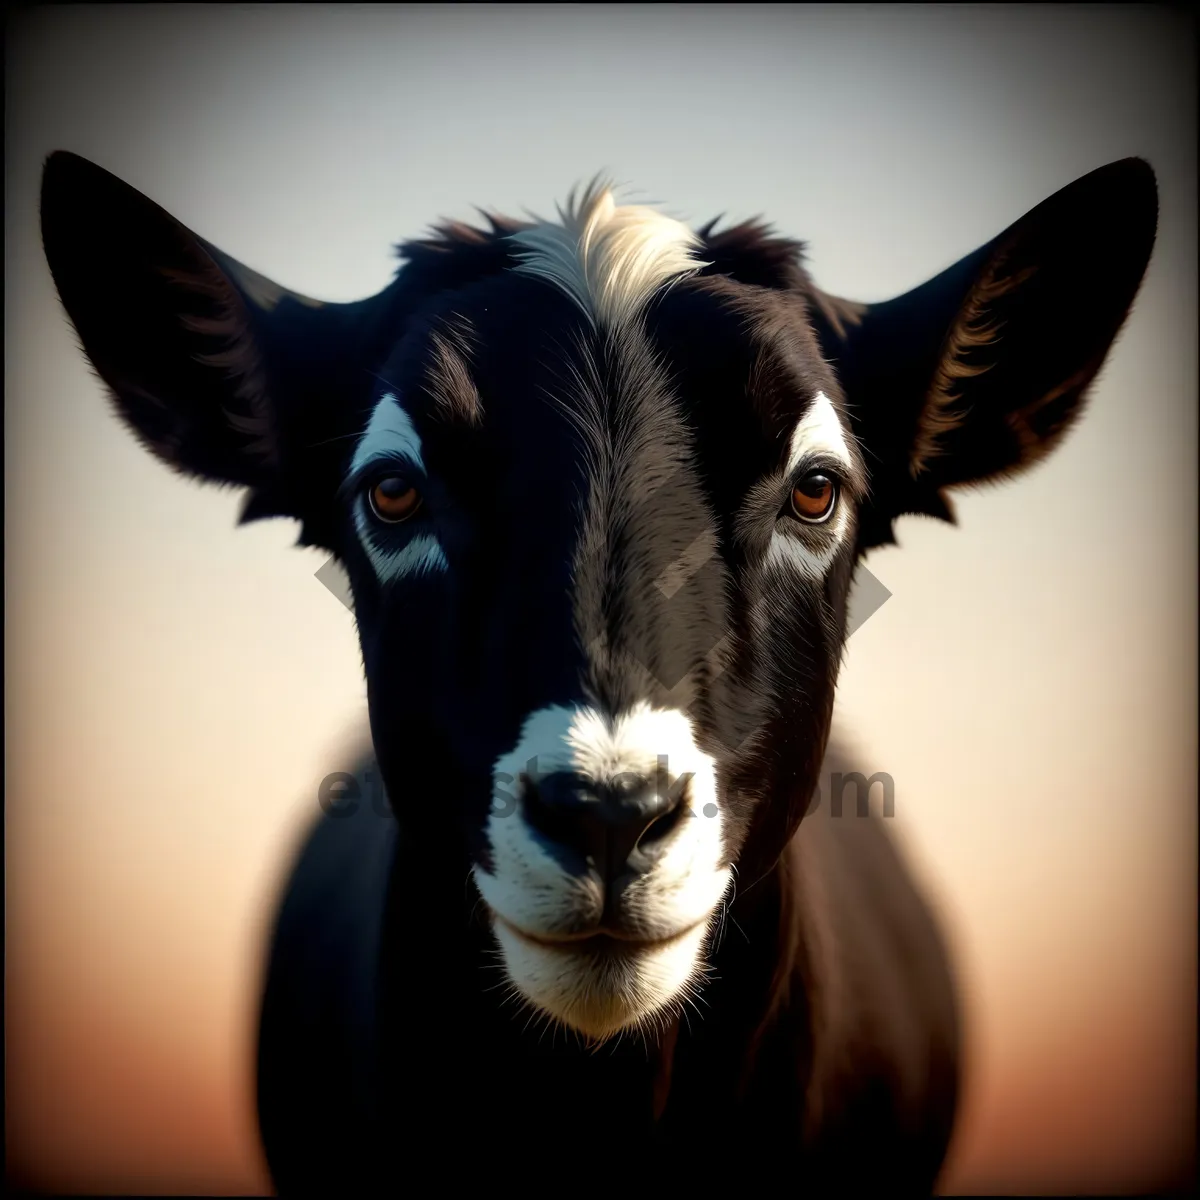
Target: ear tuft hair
752	252
970	350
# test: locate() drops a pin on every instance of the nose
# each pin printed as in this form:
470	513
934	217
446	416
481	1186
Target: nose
616	824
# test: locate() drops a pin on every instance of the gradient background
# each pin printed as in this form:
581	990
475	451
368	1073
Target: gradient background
175	691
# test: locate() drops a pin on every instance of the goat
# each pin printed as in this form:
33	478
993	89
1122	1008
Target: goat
600	486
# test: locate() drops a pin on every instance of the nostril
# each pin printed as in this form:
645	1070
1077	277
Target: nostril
544	813
663	826
601	823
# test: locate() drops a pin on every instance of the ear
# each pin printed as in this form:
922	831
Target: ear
979	373
221	373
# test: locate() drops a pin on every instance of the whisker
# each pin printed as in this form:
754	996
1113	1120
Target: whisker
341	437
382	379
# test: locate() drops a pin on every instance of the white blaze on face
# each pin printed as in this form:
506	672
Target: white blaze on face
819	433
669	909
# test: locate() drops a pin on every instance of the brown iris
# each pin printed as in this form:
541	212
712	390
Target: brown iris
814	497
394	499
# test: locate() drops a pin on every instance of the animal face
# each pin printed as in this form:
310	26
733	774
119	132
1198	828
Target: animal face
600	486
605	574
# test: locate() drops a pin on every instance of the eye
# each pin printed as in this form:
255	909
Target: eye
814	497
393	499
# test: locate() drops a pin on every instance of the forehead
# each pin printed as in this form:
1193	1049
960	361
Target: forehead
515	369
494	370
609	300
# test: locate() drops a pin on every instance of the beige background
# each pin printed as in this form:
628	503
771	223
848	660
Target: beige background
175	690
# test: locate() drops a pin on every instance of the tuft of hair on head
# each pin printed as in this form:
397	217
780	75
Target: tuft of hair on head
608	258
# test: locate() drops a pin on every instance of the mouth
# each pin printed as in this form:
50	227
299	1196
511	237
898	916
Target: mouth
603	940
604	980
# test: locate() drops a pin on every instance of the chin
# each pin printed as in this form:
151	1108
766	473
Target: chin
601	986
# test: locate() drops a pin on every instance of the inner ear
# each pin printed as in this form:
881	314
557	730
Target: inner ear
1034	328
1012	375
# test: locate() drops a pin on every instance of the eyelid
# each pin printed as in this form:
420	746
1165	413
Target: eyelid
823	465
399	464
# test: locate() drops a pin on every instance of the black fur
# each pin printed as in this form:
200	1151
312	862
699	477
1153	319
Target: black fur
564	468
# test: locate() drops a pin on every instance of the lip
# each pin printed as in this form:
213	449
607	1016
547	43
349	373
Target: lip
603	939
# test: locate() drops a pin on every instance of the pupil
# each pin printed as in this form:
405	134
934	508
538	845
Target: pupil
815	486
393	487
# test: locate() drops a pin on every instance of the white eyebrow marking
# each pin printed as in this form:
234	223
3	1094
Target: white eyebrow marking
391	431
819	431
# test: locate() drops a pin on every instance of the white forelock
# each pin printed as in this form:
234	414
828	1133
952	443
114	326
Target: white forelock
609	258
